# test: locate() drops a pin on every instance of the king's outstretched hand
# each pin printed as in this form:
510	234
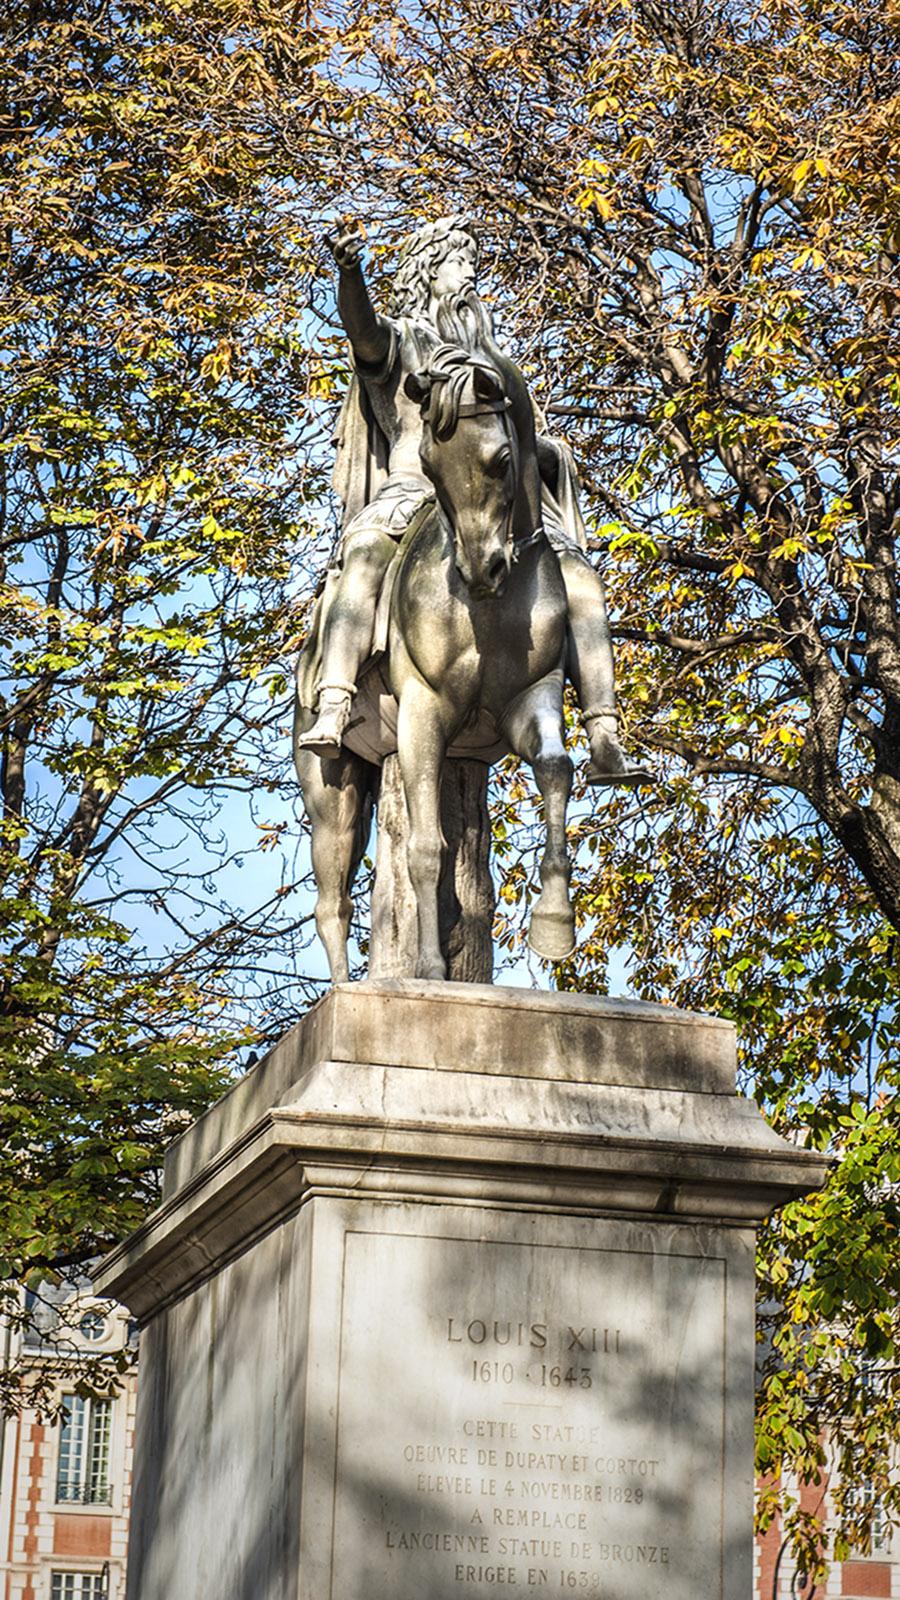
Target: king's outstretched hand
347	247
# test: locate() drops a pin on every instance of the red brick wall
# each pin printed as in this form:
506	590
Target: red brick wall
769	1544
81	1536
866	1578
34	1501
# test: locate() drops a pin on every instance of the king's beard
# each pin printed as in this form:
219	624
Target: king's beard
463	319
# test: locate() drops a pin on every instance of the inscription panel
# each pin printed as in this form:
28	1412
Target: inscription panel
527	1420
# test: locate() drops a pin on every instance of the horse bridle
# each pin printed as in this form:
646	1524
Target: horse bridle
499	408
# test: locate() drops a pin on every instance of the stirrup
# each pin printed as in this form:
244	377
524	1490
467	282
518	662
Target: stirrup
627	775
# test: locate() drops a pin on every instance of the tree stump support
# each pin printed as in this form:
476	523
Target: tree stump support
466	893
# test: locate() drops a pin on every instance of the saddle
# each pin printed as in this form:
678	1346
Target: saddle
372	731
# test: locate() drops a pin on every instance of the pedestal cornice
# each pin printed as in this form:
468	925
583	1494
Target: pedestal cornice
473	1095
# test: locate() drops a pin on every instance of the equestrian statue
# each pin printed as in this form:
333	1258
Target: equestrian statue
461	599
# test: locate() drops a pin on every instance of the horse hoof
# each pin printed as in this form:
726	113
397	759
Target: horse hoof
551	935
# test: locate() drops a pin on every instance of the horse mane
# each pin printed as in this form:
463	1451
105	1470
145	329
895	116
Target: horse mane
448	372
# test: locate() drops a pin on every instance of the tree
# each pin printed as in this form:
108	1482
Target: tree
693	216
690	221
160	403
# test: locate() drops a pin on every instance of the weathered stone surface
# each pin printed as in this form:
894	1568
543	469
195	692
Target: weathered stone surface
454	1296
407	1377
549	1410
465	891
509	1033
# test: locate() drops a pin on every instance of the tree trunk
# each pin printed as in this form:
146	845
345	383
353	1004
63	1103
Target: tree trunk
871	837
466	893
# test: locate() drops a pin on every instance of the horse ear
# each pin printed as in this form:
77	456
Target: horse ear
418	387
487	383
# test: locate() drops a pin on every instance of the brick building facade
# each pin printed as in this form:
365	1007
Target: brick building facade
873	1577
65	1487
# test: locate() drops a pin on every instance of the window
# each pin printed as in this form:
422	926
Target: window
865	1498
83	1472
92	1326
881	1532
77	1586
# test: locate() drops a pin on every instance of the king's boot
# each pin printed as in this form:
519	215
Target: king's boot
609	764
327	732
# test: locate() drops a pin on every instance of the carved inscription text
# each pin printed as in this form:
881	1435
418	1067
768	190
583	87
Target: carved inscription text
535	1445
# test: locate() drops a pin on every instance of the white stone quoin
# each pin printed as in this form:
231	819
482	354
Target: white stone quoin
451	1298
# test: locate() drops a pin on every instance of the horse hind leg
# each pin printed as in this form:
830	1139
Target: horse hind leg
337	796
534	728
421	746
334	907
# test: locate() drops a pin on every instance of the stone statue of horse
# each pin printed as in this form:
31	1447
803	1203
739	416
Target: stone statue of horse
475	627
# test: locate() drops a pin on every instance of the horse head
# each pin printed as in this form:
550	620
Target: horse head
471	454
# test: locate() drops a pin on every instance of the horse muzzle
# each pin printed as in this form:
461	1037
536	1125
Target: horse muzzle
490	579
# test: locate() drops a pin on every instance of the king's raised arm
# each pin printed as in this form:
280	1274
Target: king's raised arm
368	333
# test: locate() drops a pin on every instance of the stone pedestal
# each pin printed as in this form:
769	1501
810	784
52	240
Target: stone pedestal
451	1298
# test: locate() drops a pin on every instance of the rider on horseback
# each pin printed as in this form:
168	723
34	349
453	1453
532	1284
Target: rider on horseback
383	487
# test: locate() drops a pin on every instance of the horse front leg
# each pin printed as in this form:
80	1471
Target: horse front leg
421	746
534	727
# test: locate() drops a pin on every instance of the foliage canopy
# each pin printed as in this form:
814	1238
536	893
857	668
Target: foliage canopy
690	219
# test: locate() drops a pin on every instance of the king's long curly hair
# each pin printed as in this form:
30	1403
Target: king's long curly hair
420	253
